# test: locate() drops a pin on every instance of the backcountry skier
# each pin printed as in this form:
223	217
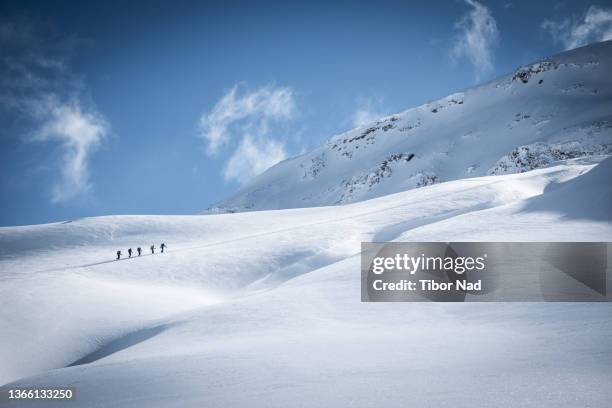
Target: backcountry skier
119	254
139	249
163	245
130	252
152	249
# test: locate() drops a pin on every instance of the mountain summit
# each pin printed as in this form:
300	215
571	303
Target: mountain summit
557	108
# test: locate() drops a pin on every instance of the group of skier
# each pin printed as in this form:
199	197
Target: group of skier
139	250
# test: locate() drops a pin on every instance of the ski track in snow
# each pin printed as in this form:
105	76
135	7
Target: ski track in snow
263	308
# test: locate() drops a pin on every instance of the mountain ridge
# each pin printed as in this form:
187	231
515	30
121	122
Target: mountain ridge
503	126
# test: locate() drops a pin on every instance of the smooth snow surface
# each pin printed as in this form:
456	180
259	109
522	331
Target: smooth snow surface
263	308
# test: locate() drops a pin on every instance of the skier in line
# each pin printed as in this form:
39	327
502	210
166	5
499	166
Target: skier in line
152	249
163	245
118	255
130	252
139	249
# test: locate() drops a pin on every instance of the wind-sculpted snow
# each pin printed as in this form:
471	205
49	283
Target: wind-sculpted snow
263	308
563	100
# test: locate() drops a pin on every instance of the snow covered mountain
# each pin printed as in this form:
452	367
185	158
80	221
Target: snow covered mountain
557	108
263	308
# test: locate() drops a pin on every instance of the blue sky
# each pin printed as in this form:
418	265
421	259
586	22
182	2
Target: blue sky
168	107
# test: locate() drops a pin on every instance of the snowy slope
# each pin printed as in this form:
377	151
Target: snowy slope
263	308
557	108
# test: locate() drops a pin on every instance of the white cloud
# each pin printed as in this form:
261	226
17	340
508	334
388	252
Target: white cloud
363	116
36	84
595	26
368	110
476	38
79	132
251	111
243	121
253	157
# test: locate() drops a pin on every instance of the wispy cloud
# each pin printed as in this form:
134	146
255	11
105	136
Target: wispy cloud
251	111
243	120
37	84
367	111
252	157
80	132
594	26
477	35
